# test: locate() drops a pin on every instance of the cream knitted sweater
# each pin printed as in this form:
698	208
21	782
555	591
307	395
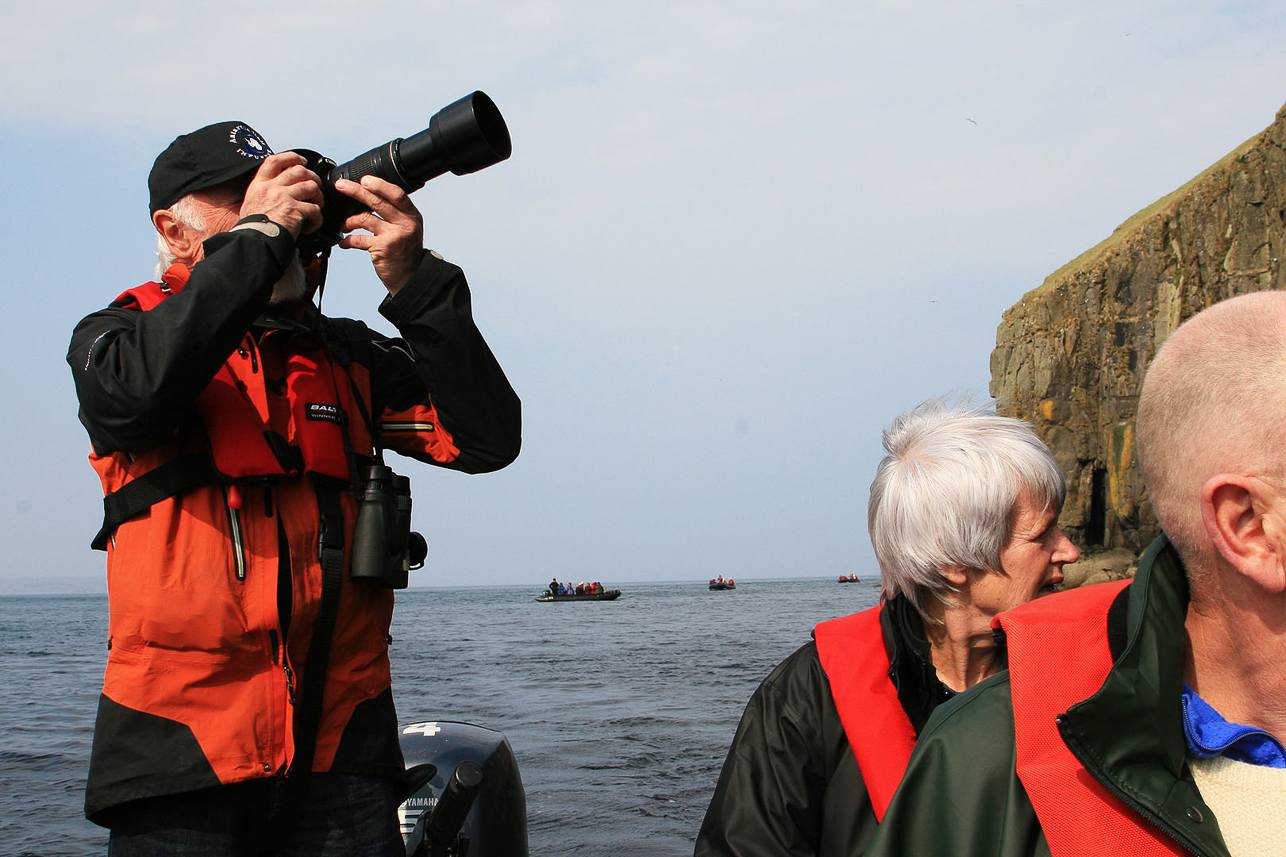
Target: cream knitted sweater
1248	800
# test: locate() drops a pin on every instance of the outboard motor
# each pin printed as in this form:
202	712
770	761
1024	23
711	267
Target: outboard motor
468	799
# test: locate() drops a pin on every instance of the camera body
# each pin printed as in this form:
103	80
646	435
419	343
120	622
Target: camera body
463	137
384	547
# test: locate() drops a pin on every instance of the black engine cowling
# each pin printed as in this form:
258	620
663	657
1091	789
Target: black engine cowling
483	813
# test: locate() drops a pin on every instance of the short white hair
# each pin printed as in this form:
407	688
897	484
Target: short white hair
945	495
1213	401
185	211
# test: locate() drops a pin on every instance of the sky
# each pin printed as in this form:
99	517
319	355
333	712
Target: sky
733	242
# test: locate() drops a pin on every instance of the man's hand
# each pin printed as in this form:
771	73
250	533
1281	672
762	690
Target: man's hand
287	192
396	229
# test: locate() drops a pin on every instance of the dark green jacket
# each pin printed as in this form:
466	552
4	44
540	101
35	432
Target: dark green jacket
961	795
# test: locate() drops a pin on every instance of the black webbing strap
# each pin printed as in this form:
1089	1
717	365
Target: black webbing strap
160	483
330	550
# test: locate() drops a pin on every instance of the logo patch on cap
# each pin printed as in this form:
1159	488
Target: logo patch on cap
248	142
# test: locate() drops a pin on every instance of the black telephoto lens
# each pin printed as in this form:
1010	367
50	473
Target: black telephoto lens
463	137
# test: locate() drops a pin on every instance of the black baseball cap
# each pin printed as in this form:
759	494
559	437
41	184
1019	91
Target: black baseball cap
207	157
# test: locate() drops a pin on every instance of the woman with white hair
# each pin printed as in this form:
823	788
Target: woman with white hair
963	518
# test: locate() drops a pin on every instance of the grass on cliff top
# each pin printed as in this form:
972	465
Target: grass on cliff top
1121	234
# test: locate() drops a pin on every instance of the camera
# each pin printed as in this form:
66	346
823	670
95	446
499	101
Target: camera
463	137
384	547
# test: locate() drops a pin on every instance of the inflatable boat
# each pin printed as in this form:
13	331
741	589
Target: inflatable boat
607	595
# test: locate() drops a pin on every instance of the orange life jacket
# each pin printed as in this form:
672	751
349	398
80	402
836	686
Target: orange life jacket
851	649
1077	814
234	409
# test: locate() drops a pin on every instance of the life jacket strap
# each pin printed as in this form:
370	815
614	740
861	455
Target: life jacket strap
330	549
140	494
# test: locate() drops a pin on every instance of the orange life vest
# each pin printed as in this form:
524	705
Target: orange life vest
234	409
851	649
1077	814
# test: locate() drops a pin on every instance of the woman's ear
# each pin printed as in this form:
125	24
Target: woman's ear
956	575
1243	517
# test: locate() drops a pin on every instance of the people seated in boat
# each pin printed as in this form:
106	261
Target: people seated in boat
1163	728
963	516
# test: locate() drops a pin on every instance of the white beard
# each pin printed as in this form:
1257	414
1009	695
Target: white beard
292	286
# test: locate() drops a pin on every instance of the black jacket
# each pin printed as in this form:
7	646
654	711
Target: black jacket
790	784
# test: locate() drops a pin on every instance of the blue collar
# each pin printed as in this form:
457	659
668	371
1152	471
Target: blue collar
1209	735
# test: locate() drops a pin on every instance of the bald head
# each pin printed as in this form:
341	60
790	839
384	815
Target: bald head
1214	401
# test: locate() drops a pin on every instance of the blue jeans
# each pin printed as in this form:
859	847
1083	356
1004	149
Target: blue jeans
338	815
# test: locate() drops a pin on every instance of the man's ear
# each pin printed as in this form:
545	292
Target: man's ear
1245	526
183	241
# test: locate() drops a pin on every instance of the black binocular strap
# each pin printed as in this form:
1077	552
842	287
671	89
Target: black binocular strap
330	549
160	483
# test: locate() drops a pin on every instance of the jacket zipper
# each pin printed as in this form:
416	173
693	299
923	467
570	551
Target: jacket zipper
279	658
234	527
1103	780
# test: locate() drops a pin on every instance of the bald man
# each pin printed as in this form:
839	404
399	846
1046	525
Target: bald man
1160	729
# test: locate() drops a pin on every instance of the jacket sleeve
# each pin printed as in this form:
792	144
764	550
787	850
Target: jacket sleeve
138	374
438	393
772	794
961	796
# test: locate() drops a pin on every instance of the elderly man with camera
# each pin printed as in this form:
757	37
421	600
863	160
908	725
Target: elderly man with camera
963	517
1143	717
246	705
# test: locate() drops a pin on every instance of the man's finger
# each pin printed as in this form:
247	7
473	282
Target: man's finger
379	195
364	220
275	165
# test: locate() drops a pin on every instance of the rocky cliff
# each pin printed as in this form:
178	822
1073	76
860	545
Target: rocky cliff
1071	355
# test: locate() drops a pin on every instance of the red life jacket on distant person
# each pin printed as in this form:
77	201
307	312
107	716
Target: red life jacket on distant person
1077	814
852	653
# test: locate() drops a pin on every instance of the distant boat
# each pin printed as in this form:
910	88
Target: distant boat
721	584
608	595
849	578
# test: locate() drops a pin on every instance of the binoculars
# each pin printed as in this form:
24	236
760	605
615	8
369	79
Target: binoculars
384	548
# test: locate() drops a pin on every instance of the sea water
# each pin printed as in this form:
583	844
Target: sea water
619	713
